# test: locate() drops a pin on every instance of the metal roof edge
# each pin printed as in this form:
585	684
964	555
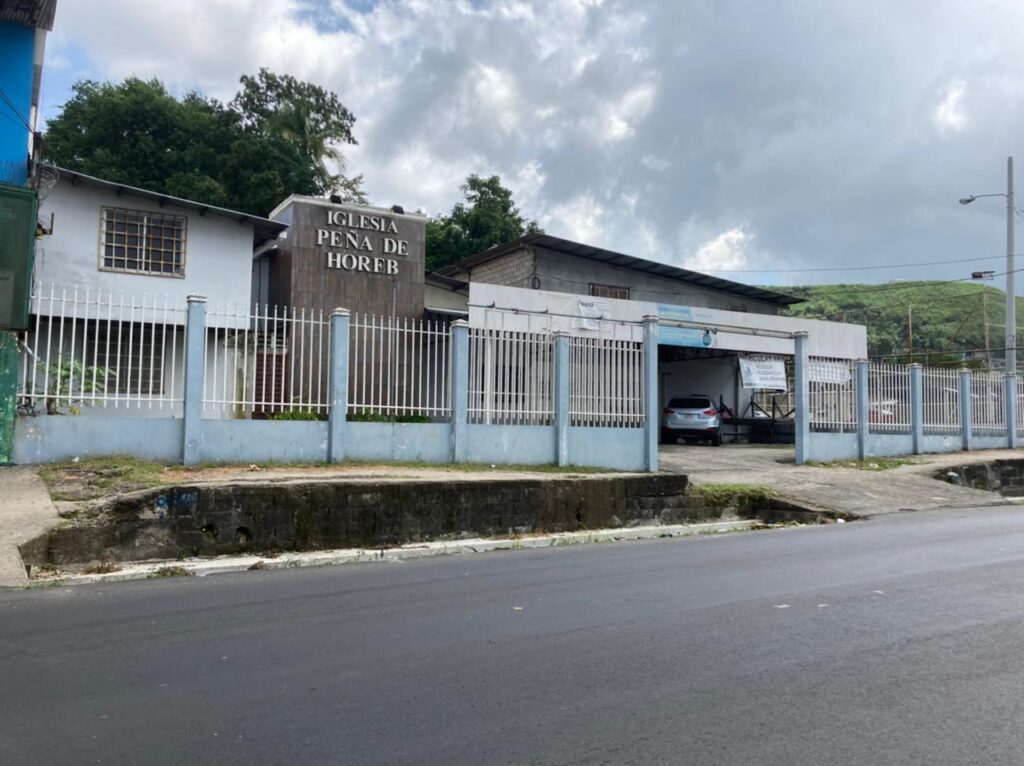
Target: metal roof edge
263	225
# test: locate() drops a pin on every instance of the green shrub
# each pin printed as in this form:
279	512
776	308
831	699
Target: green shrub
299	415
365	416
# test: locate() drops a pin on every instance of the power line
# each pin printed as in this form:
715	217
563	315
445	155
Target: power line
856	268
13	107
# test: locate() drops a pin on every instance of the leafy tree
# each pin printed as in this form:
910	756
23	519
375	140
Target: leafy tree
272	140
487	218
309	117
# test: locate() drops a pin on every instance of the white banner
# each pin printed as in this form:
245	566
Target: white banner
592	310
828	372
766	373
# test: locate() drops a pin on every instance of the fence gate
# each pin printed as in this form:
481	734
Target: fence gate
8	394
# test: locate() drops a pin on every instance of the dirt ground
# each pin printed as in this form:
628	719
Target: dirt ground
87	480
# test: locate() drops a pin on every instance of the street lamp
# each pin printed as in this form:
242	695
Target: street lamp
1011	301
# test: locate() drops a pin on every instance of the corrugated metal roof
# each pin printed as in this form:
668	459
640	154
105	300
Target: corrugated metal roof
580	250
265	228
31	13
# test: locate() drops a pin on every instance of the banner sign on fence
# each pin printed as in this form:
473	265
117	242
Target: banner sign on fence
591	310
766	373
819	371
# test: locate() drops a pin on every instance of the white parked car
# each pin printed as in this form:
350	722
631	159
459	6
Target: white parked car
691	417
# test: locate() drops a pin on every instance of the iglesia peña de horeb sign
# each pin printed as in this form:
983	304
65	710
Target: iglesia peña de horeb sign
366	259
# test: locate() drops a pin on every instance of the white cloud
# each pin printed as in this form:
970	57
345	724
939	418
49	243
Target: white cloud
624	122
581	218
949	115
729	250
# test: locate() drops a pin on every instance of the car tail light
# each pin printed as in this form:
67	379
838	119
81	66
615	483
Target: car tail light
667	411
710	412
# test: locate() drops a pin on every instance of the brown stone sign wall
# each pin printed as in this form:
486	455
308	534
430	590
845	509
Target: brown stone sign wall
368	260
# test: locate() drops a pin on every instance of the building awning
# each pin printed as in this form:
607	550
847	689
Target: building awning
30	13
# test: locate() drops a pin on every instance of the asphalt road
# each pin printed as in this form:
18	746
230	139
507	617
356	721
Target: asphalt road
898	640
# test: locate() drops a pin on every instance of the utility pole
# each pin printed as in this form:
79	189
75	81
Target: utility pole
984	310
910	331
1011	266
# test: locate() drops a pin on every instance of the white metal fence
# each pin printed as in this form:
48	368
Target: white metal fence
888	397
266	361
91	348
832	394
940	400
399	367
606	385
511	377
1020	405
988	401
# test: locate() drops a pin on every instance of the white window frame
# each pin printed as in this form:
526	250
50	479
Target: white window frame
143	258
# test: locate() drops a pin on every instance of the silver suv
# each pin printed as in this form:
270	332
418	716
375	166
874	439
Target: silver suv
691	417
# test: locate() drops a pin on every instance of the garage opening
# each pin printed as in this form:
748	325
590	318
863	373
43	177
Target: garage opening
719	396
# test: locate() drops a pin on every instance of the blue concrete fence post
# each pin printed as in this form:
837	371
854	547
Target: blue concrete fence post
652	405
863	412
460	390
563	370
966	410
801	398
917	407
337	423
1010	396
195	366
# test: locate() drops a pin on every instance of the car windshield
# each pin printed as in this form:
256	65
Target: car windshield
690	403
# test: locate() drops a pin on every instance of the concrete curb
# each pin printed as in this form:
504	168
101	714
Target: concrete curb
224	564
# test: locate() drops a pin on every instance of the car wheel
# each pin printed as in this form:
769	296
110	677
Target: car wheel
716	440
667	437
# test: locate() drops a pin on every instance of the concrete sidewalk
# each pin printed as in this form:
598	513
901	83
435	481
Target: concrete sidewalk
26	511
850	490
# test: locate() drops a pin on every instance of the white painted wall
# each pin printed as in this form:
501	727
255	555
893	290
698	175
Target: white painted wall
715	377
218	250
496	306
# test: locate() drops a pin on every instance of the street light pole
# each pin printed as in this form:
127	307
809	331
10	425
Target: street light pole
1011	267
1011	299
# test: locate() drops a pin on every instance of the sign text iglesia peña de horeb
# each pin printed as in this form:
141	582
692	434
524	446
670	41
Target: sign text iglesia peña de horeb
356	251
369	260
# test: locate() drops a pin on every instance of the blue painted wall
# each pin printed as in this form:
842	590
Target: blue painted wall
17	47
49	438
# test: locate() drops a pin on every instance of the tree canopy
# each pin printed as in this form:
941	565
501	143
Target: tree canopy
273	139
487	218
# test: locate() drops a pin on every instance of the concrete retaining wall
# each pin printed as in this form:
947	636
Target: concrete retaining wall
311	515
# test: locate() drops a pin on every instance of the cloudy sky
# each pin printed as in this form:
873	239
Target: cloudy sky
736	135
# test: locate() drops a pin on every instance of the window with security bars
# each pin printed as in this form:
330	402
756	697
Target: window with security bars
143	242
128	356
609	291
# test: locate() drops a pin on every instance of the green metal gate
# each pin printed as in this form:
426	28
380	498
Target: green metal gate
8	389
17	247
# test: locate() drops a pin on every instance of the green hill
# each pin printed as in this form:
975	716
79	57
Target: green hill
947	319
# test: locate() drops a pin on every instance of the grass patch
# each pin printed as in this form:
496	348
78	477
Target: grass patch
869	464
45	583
91	479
